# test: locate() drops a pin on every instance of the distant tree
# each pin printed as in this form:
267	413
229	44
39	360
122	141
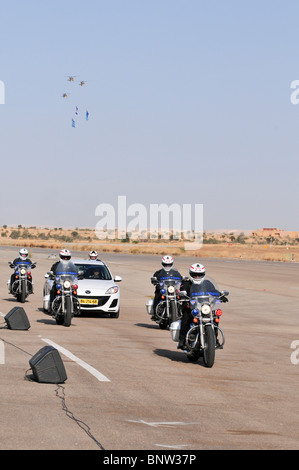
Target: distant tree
15	234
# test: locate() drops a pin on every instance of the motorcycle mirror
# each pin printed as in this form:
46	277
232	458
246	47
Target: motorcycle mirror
46	276
224	292
183	292
117	279
154	280
80	275
185	278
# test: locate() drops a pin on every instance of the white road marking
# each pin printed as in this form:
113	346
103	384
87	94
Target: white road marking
178	446
81	363
167	424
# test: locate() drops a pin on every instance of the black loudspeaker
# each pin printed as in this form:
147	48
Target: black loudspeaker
47	366
16	319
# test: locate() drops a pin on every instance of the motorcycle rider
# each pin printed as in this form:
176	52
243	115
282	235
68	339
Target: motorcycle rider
64	255
93	255
197	274
22	259
166	272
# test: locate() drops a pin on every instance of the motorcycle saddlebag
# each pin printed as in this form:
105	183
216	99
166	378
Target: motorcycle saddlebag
175	330
149	306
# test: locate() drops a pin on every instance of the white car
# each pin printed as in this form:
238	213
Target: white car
97	288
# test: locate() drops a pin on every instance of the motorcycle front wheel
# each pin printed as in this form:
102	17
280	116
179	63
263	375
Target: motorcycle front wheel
209	351
23	292
68	312
173	311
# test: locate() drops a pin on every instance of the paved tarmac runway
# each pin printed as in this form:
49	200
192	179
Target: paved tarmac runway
153	398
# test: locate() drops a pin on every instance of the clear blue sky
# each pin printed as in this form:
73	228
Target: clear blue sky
189	102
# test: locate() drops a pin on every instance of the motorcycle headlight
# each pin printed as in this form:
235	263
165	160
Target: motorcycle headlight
205	309
66	284
171	289
112	290
23	271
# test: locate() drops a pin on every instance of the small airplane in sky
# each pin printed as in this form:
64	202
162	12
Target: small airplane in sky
71	78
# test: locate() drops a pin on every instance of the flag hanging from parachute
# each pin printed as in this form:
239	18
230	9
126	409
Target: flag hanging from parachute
73	123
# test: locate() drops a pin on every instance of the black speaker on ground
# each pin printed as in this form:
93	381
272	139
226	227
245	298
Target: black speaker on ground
47	366
16	319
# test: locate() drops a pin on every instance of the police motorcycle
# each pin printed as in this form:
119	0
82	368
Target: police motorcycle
204	335
65	284
21	284
169	308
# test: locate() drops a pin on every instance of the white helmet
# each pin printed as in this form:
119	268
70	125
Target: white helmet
93	254
197	272
65	255
167	262
23	253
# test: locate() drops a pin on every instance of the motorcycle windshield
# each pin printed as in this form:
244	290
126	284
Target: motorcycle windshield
170	277
171	282
66	270
23	265
205	291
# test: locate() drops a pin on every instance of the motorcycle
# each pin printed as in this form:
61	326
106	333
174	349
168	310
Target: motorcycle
65	303
22	284
204	336
169	308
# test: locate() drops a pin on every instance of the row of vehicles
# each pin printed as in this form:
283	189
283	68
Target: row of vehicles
188	306
74	286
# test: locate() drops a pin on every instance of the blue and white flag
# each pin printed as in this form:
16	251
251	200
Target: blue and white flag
87	115
73	123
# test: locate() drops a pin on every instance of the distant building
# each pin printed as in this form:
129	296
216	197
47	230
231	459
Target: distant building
275	233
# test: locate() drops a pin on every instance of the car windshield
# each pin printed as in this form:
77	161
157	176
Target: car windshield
94	271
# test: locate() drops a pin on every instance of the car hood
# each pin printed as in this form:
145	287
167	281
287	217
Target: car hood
95	286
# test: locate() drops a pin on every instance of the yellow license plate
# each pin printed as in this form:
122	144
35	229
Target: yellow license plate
88	301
